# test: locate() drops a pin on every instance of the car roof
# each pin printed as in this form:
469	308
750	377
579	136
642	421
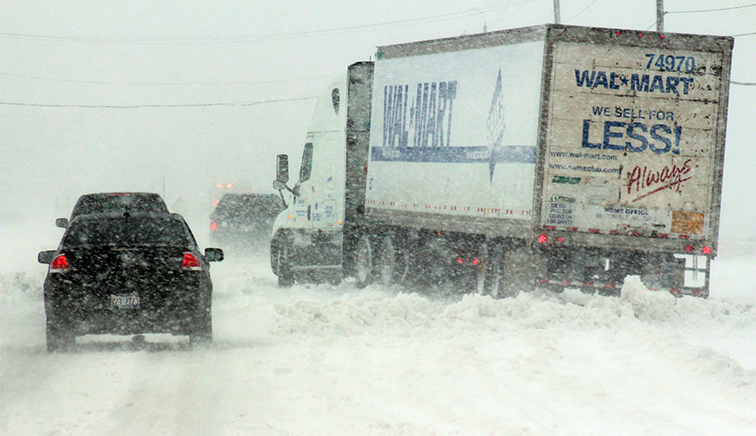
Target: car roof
106	201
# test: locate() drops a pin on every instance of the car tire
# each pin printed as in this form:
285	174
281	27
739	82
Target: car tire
203	332
59	336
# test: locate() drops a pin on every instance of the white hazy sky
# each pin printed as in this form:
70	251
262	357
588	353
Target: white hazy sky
175	96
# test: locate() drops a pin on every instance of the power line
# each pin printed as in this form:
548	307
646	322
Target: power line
93	82
583	10
711	10
743	83
152	106
252	38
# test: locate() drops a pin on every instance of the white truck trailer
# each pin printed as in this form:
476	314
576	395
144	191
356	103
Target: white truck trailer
543	157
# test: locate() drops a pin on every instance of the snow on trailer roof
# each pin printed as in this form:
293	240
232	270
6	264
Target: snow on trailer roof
664	40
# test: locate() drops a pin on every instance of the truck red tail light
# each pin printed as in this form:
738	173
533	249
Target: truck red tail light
706	250
59	264
542	239
191	263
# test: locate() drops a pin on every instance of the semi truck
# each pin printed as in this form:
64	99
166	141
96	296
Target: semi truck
545	157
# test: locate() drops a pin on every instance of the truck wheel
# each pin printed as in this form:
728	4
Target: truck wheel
285	274
493	276
387	265
364	265
488	272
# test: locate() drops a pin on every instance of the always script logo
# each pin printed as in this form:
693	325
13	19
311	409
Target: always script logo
649	181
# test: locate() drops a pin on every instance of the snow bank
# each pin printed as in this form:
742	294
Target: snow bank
374	309
20	287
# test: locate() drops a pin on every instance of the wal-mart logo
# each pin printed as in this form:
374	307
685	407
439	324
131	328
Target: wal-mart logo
417	128
420	120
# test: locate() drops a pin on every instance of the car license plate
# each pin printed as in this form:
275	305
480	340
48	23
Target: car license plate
124	301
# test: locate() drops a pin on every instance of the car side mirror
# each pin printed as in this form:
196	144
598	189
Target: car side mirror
214	254
46	257
62	223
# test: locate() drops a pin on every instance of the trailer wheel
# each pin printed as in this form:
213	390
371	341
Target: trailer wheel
387	261
364	264
488	272
393	264
480	271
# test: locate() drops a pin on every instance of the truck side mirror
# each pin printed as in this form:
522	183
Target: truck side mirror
282	168
62	223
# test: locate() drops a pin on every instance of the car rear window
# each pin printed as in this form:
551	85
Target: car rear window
250	205
127	231
118	202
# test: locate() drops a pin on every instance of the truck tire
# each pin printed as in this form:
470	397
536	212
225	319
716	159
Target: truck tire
480	270
488	271
285	273
494	276
387	262
489	275
364	264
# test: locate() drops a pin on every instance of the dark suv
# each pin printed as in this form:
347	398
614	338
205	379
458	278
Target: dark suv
245	219
115	202
128	274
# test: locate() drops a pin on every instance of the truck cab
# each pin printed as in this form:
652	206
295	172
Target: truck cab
307	236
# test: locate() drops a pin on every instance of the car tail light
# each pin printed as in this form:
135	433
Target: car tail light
213	226
59	264
191	262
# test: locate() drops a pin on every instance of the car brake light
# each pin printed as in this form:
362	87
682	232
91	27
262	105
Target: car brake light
191	263
213	226
59	264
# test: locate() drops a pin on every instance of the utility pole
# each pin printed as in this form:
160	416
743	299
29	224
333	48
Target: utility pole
557	14
659	16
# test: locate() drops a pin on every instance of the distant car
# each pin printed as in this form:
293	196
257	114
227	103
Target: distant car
115	202
245	219
128	274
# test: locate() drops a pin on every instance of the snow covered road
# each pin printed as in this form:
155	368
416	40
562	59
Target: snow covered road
325	360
